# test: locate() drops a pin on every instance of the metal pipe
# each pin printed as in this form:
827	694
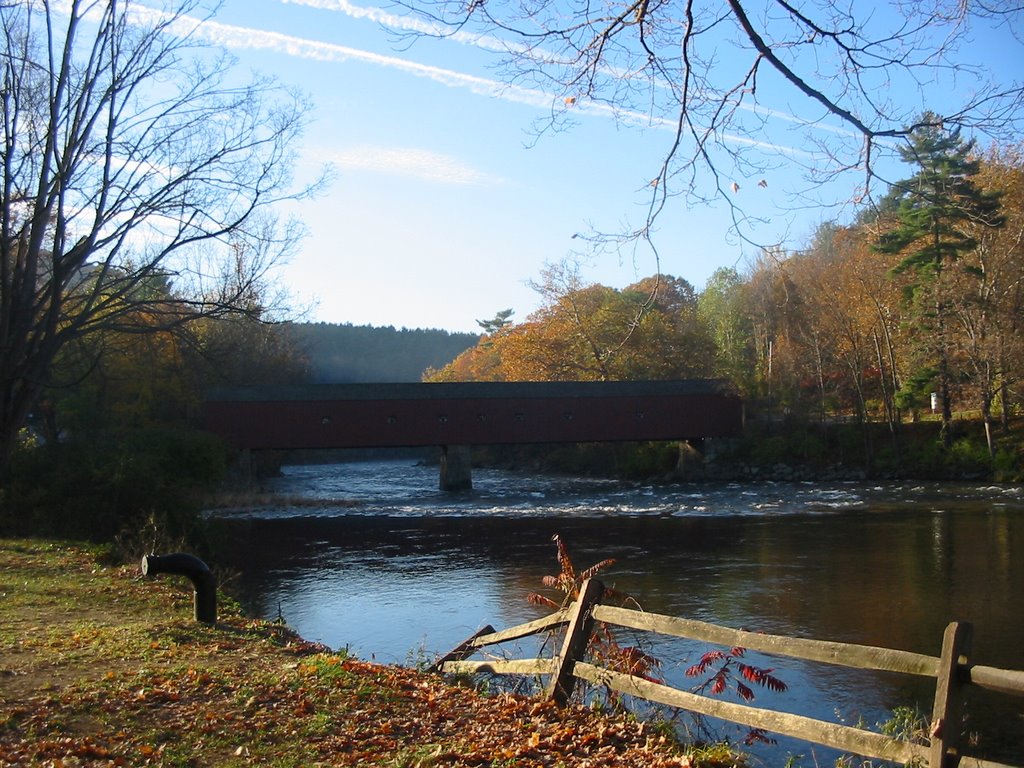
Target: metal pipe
203	580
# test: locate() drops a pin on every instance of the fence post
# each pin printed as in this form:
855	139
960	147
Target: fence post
946	714
574	646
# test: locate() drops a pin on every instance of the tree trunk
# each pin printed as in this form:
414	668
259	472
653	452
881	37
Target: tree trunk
18	397
946	431
986	416
888	401
1004	397
862	413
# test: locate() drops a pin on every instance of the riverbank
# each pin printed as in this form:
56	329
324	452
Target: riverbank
790	450
99	667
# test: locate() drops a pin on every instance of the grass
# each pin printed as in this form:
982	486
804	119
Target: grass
101	667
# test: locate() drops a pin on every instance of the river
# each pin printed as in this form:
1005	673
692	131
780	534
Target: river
407	572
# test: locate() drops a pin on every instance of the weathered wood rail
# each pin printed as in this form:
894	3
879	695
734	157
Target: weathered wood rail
951	670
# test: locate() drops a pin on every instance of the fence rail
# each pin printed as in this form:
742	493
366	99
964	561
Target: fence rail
951	670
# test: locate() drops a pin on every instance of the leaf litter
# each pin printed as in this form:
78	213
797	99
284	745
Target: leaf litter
99	668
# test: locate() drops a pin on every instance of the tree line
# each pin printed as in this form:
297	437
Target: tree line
338	353
916	304
120	428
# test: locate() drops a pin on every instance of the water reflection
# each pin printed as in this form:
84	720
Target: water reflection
410	570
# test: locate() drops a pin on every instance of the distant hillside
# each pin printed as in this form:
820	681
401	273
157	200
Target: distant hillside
361	353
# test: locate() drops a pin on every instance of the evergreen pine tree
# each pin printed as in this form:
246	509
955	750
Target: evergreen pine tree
936	210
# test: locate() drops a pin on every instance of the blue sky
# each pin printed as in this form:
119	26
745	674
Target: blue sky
444	206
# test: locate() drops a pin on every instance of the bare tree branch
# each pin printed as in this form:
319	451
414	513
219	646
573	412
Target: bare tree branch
850	77
138	175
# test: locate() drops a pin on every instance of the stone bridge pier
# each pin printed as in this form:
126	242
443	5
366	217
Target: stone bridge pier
456	468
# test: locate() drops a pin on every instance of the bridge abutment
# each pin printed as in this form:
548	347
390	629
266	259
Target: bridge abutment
456	468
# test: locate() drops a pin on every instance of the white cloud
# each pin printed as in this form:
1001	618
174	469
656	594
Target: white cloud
415	163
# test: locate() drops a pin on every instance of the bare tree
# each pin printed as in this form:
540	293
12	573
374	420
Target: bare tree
744	88
131	157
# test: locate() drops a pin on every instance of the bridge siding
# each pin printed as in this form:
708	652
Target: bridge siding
407	415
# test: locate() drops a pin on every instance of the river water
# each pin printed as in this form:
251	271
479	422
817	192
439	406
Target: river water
407	572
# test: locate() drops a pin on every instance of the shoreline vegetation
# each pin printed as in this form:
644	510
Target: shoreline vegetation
790	450
99	667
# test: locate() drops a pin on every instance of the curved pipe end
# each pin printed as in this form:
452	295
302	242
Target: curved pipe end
202	578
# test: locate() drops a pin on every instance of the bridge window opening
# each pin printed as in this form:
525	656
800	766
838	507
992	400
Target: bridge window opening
443	417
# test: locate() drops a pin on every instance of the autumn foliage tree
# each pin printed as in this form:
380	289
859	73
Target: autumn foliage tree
116	443
987	302
844	329
590	332
721	307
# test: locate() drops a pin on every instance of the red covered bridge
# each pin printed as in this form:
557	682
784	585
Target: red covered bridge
453	414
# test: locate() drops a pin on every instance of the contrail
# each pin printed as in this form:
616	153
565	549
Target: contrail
245	38
235	37
407	23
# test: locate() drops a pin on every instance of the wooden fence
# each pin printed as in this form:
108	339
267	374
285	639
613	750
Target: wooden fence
951	670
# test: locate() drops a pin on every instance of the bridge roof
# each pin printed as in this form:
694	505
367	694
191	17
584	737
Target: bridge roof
463	390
